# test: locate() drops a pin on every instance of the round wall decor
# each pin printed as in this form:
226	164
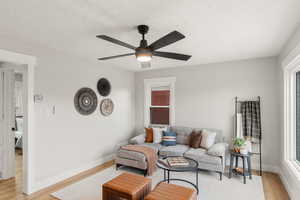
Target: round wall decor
106	107
85	101
104	87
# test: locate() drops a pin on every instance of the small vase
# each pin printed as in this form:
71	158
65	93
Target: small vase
244	151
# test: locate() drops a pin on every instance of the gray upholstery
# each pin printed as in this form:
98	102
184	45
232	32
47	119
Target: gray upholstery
132	155
182	134
131	163
212	159
177	150
201	155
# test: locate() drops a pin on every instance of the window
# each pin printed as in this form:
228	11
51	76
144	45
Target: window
160	106
159	101
291	148
298	116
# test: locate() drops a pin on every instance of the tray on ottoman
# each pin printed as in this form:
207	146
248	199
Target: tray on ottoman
126	186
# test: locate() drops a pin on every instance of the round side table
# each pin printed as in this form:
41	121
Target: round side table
246	158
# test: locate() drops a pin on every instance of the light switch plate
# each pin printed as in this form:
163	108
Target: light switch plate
38	98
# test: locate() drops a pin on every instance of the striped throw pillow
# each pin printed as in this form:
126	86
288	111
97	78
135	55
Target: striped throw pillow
169	138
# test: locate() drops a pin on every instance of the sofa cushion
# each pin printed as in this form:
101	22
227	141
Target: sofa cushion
157	134
201	155
182	133
149	135
208	138
169	138
139	139
177	150
195	139
219	136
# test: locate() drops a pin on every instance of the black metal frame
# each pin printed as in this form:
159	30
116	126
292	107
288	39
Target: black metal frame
260	138
168	170
168	179
245	158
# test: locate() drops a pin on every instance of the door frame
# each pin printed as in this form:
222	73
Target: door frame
29	63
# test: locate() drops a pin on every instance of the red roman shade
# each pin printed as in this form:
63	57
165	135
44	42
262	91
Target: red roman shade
159	115
160	98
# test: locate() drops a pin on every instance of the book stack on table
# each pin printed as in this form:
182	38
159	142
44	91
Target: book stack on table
174	162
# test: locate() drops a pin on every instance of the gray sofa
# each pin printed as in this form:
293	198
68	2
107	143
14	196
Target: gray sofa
212	159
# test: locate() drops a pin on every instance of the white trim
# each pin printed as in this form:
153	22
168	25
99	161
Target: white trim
289	159
290	168
29	62
159	82
68	174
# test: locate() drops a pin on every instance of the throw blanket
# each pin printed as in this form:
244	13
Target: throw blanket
150	154
251	119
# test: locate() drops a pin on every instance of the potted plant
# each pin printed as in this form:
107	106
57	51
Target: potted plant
239	145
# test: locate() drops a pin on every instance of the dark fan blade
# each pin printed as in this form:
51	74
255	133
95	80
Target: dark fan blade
111	57
166	40
176	56
110	39
145	65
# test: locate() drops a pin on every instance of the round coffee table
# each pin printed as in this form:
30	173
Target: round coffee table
192	166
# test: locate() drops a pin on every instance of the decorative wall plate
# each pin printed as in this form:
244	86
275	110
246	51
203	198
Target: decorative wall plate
104	87
85	101
106	107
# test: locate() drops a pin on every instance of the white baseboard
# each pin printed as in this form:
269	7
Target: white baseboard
63	176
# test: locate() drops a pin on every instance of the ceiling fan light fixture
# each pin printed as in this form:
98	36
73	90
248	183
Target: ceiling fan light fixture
144	57
144	52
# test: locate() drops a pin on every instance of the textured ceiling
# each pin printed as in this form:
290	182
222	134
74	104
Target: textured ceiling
215	31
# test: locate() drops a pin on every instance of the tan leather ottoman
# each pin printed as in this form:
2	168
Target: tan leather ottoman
126	186
165	191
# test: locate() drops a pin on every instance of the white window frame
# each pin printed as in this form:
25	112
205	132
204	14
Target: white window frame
290	69
155	83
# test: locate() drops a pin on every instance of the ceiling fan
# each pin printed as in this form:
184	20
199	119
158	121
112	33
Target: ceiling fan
145	52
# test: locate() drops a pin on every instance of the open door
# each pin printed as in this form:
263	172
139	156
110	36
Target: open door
7	124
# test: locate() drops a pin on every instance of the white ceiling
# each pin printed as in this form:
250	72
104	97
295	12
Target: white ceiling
215	31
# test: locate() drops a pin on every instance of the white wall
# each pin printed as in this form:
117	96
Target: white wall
204	97
288	53
66	141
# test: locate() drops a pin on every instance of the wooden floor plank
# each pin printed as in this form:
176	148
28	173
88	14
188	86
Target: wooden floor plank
12	189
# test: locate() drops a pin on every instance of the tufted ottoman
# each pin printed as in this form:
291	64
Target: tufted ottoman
126	186
165	191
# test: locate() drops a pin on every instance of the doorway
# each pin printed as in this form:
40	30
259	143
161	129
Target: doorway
11	122
17	114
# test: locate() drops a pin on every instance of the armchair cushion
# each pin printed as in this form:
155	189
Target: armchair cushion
218	149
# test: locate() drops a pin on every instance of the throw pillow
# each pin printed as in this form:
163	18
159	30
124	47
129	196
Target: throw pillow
169	138
208	139
157	134
149	135
195	139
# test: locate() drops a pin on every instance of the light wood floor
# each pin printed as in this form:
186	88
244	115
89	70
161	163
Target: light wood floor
12	189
